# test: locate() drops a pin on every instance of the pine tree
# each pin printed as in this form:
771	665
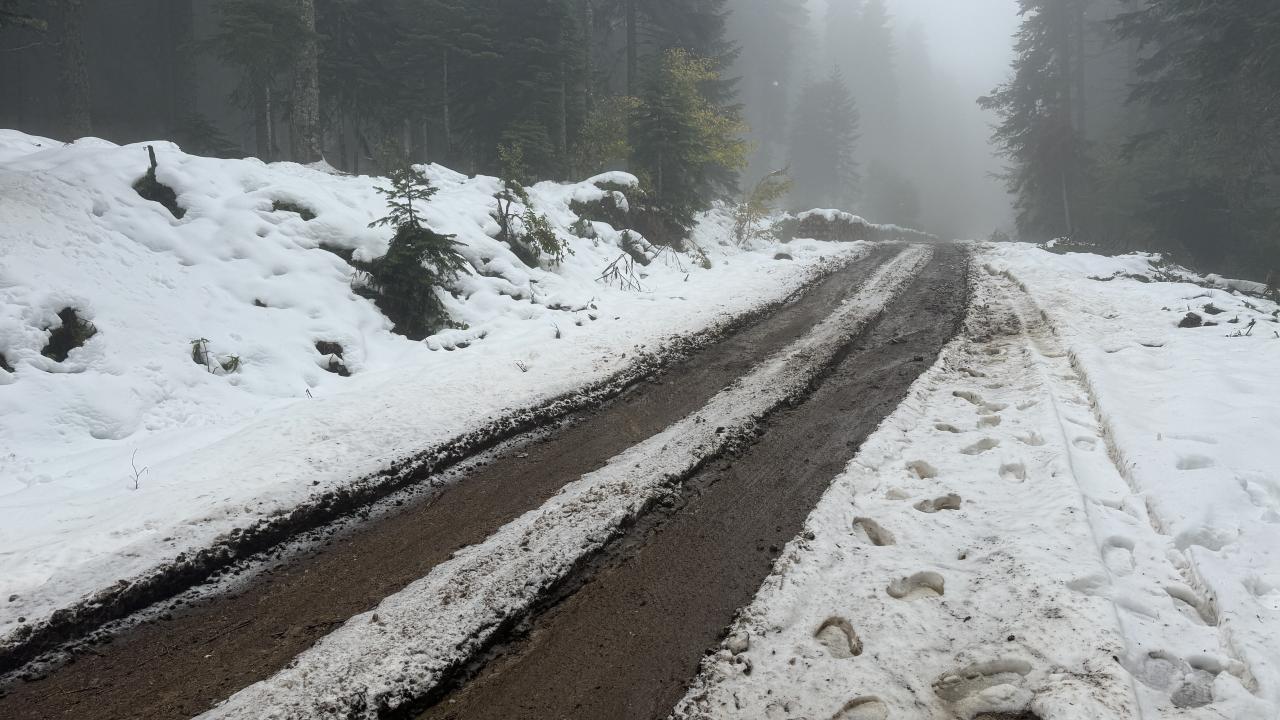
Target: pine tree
1049	175
259	38
419	260
683	142
1209	80
824	137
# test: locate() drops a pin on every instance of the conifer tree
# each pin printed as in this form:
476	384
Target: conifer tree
1037	131
404	282
824	138
684	143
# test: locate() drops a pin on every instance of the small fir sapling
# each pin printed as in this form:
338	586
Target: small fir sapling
403	282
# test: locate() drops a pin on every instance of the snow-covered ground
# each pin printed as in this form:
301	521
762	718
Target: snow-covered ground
213	451
1075	514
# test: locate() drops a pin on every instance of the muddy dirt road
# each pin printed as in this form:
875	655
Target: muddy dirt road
627	642
623	636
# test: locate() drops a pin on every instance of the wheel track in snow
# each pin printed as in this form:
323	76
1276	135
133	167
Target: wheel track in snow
241	645
624	638
1056	357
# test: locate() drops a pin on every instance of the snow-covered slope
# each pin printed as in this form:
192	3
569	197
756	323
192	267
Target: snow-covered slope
1074	515
129	453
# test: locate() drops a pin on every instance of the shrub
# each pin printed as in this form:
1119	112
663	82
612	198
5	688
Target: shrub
403	282
306	213
750	215
534	238
71	334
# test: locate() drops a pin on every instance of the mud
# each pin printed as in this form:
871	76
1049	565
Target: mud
624	638
180	662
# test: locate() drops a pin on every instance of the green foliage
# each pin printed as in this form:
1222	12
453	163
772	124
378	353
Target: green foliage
14	13
73	332
306	213
604	142
685	143
534	238
198	136
750	215
404	282
1200	170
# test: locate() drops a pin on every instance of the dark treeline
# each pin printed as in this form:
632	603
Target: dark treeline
1148	124
570	87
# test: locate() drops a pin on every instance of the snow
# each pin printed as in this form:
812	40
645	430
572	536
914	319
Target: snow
217	451
399	650
1091	490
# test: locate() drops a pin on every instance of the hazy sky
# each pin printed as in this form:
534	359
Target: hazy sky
971	39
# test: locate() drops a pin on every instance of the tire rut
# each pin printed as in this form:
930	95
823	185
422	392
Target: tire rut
185	658
623	637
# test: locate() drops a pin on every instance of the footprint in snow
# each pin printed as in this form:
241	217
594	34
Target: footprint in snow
981	446
990	689
1191	605
839	638
876	534
921	585
922	470
1033	439
950	501
868	707
1189	684
1014	472
1117	555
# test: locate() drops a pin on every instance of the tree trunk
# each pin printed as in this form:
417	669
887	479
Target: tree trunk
588	52
262	121
633	49
73	70
183	77
445	119
562	139
304	117
1079	9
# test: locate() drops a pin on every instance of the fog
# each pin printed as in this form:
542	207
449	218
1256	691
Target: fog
945	54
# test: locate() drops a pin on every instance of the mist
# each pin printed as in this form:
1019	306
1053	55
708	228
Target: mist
922	155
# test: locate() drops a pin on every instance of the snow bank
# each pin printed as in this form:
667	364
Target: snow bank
841	226
1074	515
1192	416
217	450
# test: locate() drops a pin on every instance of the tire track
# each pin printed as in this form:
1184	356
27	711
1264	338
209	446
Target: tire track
188	654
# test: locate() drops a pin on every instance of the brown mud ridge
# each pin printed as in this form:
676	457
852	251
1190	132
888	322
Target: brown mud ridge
622	639
197	651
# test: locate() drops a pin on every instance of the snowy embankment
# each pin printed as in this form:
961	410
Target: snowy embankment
400	650
128	454
1073	516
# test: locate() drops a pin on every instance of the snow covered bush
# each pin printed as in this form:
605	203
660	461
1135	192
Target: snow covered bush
403	282
71	333
150	188
528	233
